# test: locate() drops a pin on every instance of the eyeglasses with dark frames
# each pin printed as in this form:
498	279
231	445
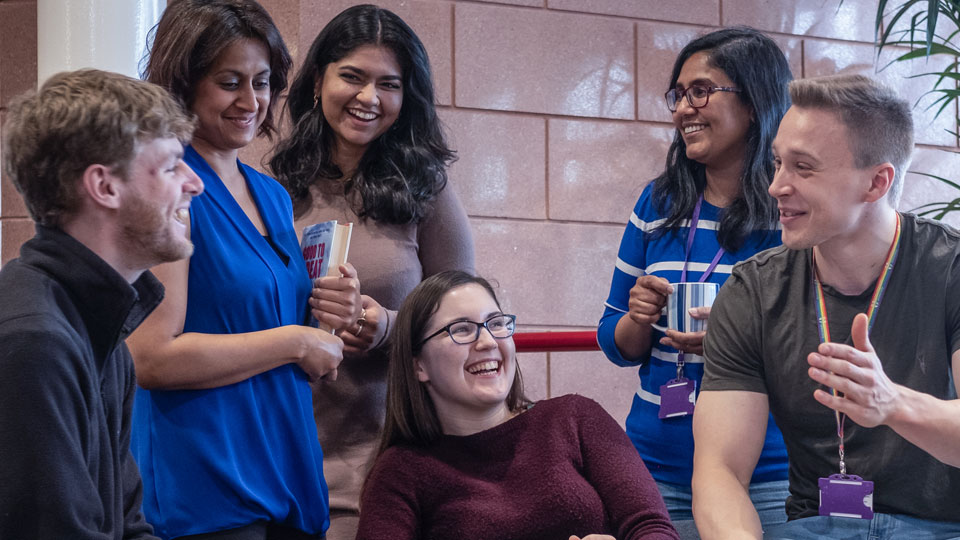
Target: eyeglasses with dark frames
500	326
698	95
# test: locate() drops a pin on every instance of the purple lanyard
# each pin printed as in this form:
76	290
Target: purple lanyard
686	259
686	256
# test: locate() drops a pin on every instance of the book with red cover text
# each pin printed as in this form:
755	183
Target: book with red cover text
325	247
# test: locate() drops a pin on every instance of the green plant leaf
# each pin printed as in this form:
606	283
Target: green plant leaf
878	21
952	206
949	95
932	49
913	24
894	19
940	209
938	178
941	74
933	10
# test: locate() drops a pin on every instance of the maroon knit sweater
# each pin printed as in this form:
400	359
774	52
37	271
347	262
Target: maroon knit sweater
563	467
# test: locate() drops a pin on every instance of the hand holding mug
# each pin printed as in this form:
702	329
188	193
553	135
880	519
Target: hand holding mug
688	342
682	306
647	299
686	311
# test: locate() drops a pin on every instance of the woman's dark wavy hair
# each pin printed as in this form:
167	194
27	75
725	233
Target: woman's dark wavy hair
404	169
756	65
191	36
411	417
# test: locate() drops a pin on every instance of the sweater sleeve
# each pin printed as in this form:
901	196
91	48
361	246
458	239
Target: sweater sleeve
389	507
613	467
46	488
444	239
629	266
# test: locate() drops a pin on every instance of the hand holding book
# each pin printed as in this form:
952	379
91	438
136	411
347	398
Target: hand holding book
335	301
336	304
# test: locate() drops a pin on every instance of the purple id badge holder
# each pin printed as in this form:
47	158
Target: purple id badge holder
677	397
846	495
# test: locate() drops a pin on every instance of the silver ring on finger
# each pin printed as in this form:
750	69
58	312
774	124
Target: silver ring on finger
361	320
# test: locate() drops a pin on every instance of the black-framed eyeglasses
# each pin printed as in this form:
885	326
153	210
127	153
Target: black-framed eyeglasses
698	95
500	326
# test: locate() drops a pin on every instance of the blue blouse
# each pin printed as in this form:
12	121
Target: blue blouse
227	457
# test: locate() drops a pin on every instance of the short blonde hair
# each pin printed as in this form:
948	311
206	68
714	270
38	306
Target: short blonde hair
78	119
878	121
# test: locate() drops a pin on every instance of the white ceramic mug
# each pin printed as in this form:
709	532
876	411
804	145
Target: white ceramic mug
686	296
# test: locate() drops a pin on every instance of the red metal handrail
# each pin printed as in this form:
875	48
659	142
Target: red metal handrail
585	340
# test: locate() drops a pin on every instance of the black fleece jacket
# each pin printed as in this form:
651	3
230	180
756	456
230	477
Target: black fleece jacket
66	393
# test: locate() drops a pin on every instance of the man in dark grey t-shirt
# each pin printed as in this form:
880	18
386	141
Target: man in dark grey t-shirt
840	155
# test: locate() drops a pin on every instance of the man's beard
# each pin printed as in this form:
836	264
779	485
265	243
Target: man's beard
148	234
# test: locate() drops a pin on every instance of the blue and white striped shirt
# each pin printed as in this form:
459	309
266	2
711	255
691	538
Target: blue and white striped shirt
667	445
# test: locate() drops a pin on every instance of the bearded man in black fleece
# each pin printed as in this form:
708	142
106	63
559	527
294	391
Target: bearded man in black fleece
97	158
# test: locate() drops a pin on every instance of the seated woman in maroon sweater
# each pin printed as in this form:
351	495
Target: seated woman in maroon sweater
465	455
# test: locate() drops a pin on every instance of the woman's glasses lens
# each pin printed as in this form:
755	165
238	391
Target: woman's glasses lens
672	97
499	326
696	96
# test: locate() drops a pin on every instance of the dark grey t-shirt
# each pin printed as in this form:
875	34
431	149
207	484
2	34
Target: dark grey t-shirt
763	325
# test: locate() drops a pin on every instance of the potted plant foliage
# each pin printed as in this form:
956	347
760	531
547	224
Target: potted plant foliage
928	28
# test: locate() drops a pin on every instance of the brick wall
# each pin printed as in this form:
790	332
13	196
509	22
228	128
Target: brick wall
556	109
18	74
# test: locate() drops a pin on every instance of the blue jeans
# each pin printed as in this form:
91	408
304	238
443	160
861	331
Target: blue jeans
769	498
881	527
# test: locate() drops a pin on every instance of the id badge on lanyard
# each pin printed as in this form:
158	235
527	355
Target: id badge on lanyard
848	495
678	396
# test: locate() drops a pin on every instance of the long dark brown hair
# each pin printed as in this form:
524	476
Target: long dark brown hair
403	170
755	65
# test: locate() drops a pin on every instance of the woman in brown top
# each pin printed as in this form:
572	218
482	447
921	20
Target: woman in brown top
366	147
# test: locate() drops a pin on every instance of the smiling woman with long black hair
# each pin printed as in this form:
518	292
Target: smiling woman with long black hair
366	147
705	212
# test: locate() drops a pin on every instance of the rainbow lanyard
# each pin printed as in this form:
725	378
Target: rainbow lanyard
824	327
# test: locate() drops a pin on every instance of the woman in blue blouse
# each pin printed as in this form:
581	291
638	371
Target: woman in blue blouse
727	93
223	429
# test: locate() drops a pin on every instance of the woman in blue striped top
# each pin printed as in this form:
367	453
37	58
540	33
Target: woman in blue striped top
728	91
